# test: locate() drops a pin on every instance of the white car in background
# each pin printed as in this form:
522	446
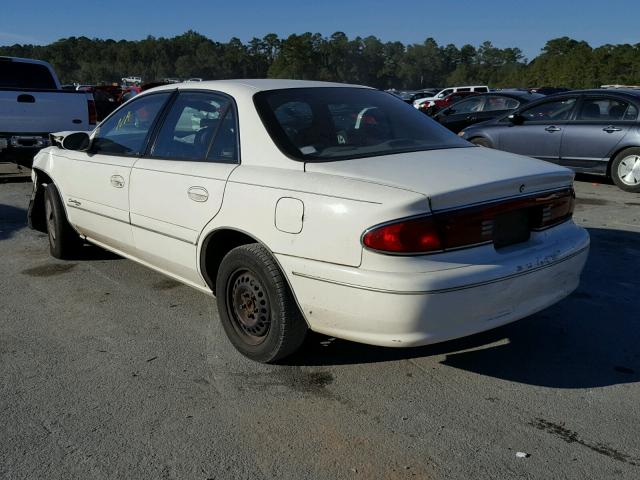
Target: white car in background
308	205
448	91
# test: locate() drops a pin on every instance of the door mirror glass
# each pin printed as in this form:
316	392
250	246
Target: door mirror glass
79	141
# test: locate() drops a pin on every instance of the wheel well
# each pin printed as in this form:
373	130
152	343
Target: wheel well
214	249
36	213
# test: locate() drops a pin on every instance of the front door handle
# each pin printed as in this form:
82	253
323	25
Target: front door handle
198	194
611	129
117	181
552	128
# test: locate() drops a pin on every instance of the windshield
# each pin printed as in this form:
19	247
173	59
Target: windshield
333	123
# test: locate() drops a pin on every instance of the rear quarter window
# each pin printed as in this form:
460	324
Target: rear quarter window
25	75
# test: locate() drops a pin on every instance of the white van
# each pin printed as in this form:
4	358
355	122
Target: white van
443	93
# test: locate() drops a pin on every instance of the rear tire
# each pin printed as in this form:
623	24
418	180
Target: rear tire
256	306
64	242
625	170
481	141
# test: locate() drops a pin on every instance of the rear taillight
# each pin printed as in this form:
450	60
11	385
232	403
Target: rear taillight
93	115
418	235
470	226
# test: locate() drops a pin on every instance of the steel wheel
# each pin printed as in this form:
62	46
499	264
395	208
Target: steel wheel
51	221
257	309
629	170
249	306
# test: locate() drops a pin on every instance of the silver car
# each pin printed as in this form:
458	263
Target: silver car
590	131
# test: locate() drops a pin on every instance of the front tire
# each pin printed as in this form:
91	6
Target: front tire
64	242
625	170
256	306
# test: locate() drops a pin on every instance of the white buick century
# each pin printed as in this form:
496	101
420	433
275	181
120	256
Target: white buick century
309	205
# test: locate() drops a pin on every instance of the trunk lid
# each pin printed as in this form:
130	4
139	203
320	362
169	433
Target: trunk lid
454	177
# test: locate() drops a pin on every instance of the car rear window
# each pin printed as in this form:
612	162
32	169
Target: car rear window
334	123
25	75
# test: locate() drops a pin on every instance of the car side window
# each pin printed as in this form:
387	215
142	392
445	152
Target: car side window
496	103
225	144
472	105
606	110
126	131
551	111
190	126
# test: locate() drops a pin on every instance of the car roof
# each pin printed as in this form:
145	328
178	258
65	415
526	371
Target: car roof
520	94
254	85
628	92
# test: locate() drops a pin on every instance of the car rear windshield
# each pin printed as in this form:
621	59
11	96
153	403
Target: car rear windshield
25	75
334	123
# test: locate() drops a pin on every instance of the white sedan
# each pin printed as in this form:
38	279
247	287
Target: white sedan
315	206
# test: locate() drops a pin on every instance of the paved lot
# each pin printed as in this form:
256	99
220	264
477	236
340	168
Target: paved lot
109	370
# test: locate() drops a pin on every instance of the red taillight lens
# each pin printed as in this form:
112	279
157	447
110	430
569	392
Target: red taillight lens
93	115
470	226
410	236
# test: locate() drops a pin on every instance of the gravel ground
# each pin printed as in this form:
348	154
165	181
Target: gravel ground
110	370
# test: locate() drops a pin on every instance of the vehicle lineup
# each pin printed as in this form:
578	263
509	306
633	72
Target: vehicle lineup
482	107
322	206
589	131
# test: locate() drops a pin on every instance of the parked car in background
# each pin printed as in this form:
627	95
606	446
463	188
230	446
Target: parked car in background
33	104
410	97
482	107
549	90
431	107
447	91
310	205
590	131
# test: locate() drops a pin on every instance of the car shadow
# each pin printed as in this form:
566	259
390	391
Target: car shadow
88	252
12	219
588	340
590	178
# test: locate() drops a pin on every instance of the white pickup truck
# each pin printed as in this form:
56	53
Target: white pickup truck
32	105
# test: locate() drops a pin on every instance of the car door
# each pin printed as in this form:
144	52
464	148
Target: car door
96	182
177	187
537	130
461	114
601	122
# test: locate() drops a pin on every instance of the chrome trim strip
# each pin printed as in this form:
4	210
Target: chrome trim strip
95	213
163	234
441	290
133	225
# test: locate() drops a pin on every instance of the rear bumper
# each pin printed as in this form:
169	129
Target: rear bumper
21	148
410	309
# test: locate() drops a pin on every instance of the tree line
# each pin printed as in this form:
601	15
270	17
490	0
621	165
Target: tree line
562	62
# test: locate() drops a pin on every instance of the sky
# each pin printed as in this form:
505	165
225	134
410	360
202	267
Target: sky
524	24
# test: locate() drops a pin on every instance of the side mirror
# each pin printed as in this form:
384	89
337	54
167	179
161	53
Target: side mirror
79	141
516	119
448	111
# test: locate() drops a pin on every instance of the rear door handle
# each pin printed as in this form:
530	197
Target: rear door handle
611	129
552	128
198	194
117	181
